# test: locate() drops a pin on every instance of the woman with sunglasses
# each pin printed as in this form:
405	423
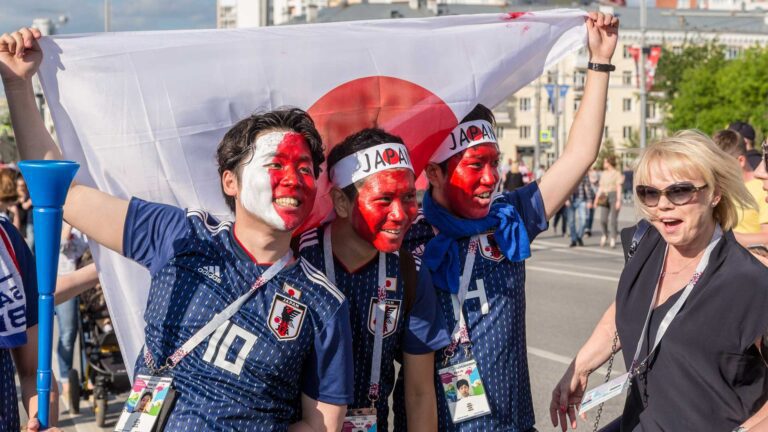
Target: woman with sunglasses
690	310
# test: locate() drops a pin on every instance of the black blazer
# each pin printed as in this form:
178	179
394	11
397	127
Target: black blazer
707	373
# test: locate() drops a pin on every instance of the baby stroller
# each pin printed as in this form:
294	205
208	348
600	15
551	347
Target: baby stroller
102	364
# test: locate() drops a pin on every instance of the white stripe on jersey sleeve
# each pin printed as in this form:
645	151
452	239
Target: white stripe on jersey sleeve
419	217
204	216
308	238
319	278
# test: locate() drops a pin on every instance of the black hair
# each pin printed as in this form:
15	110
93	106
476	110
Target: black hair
462	382
352	144
236	147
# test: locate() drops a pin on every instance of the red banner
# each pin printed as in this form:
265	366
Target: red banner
651	61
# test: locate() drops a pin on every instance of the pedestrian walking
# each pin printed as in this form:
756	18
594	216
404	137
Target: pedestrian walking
581	199
608	199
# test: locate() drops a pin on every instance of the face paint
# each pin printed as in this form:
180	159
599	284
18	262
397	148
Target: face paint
278	184
471	178
384	208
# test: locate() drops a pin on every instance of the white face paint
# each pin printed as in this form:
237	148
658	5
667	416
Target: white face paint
256	193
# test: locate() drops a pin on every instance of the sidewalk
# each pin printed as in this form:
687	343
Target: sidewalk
86	420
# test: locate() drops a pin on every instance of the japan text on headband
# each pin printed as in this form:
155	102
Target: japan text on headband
464	136
372	160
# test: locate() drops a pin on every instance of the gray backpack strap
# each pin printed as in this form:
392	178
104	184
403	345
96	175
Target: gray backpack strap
642	228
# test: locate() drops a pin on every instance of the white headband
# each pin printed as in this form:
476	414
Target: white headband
464	136
372	160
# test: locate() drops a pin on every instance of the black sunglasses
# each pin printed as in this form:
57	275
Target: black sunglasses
677	194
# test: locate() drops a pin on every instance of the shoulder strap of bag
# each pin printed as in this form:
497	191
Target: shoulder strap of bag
642	228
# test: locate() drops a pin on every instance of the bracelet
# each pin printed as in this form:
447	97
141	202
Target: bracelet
601	67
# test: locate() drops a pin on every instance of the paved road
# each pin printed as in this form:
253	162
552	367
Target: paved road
568	289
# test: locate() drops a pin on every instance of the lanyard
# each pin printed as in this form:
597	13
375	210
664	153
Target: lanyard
380	313
672	313
460	334
218	319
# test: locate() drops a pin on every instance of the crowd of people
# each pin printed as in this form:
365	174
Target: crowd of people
262	328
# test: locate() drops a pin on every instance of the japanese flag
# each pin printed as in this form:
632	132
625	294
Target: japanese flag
143	112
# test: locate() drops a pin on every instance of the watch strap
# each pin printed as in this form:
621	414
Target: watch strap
601	67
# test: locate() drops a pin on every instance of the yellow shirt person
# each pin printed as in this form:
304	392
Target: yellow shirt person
751	219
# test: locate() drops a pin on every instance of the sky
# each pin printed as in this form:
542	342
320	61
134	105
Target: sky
87	16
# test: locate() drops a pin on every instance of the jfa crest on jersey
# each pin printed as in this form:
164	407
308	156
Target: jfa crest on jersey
286	317
391	315
489	249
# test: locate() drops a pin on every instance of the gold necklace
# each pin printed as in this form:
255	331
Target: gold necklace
664	273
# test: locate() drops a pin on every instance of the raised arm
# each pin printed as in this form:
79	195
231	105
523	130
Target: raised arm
587	129
100	216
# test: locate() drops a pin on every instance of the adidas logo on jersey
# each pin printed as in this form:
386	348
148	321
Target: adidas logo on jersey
211	272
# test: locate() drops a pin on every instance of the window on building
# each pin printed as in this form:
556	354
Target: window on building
627	53
654	132
499	131
525	104
626	104
732	52
626	78
677	50
605	132
551	77
650	110
525	132
578	78
627	132
576	103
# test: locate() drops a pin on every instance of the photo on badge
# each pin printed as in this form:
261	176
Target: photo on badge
360	420
144	404
464	391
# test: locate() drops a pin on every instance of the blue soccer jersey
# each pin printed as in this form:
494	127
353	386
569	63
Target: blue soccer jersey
495	312
291	336
17	314
416	331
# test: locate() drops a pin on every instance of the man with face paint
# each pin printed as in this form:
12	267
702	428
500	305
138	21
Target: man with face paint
375	201
474	244
253	338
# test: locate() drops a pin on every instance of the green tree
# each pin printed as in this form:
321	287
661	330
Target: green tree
672	66
717	91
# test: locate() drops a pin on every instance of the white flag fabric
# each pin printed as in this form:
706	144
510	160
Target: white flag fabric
144	112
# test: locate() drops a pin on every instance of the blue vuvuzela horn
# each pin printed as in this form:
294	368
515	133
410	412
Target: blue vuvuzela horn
48	183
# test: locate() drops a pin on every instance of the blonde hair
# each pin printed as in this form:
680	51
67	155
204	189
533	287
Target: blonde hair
690	153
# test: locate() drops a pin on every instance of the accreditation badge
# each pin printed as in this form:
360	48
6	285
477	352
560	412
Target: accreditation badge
150	399
603	392
360	420
464	391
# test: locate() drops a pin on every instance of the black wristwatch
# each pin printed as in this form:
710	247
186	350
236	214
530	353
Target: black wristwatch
601	67
740	429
